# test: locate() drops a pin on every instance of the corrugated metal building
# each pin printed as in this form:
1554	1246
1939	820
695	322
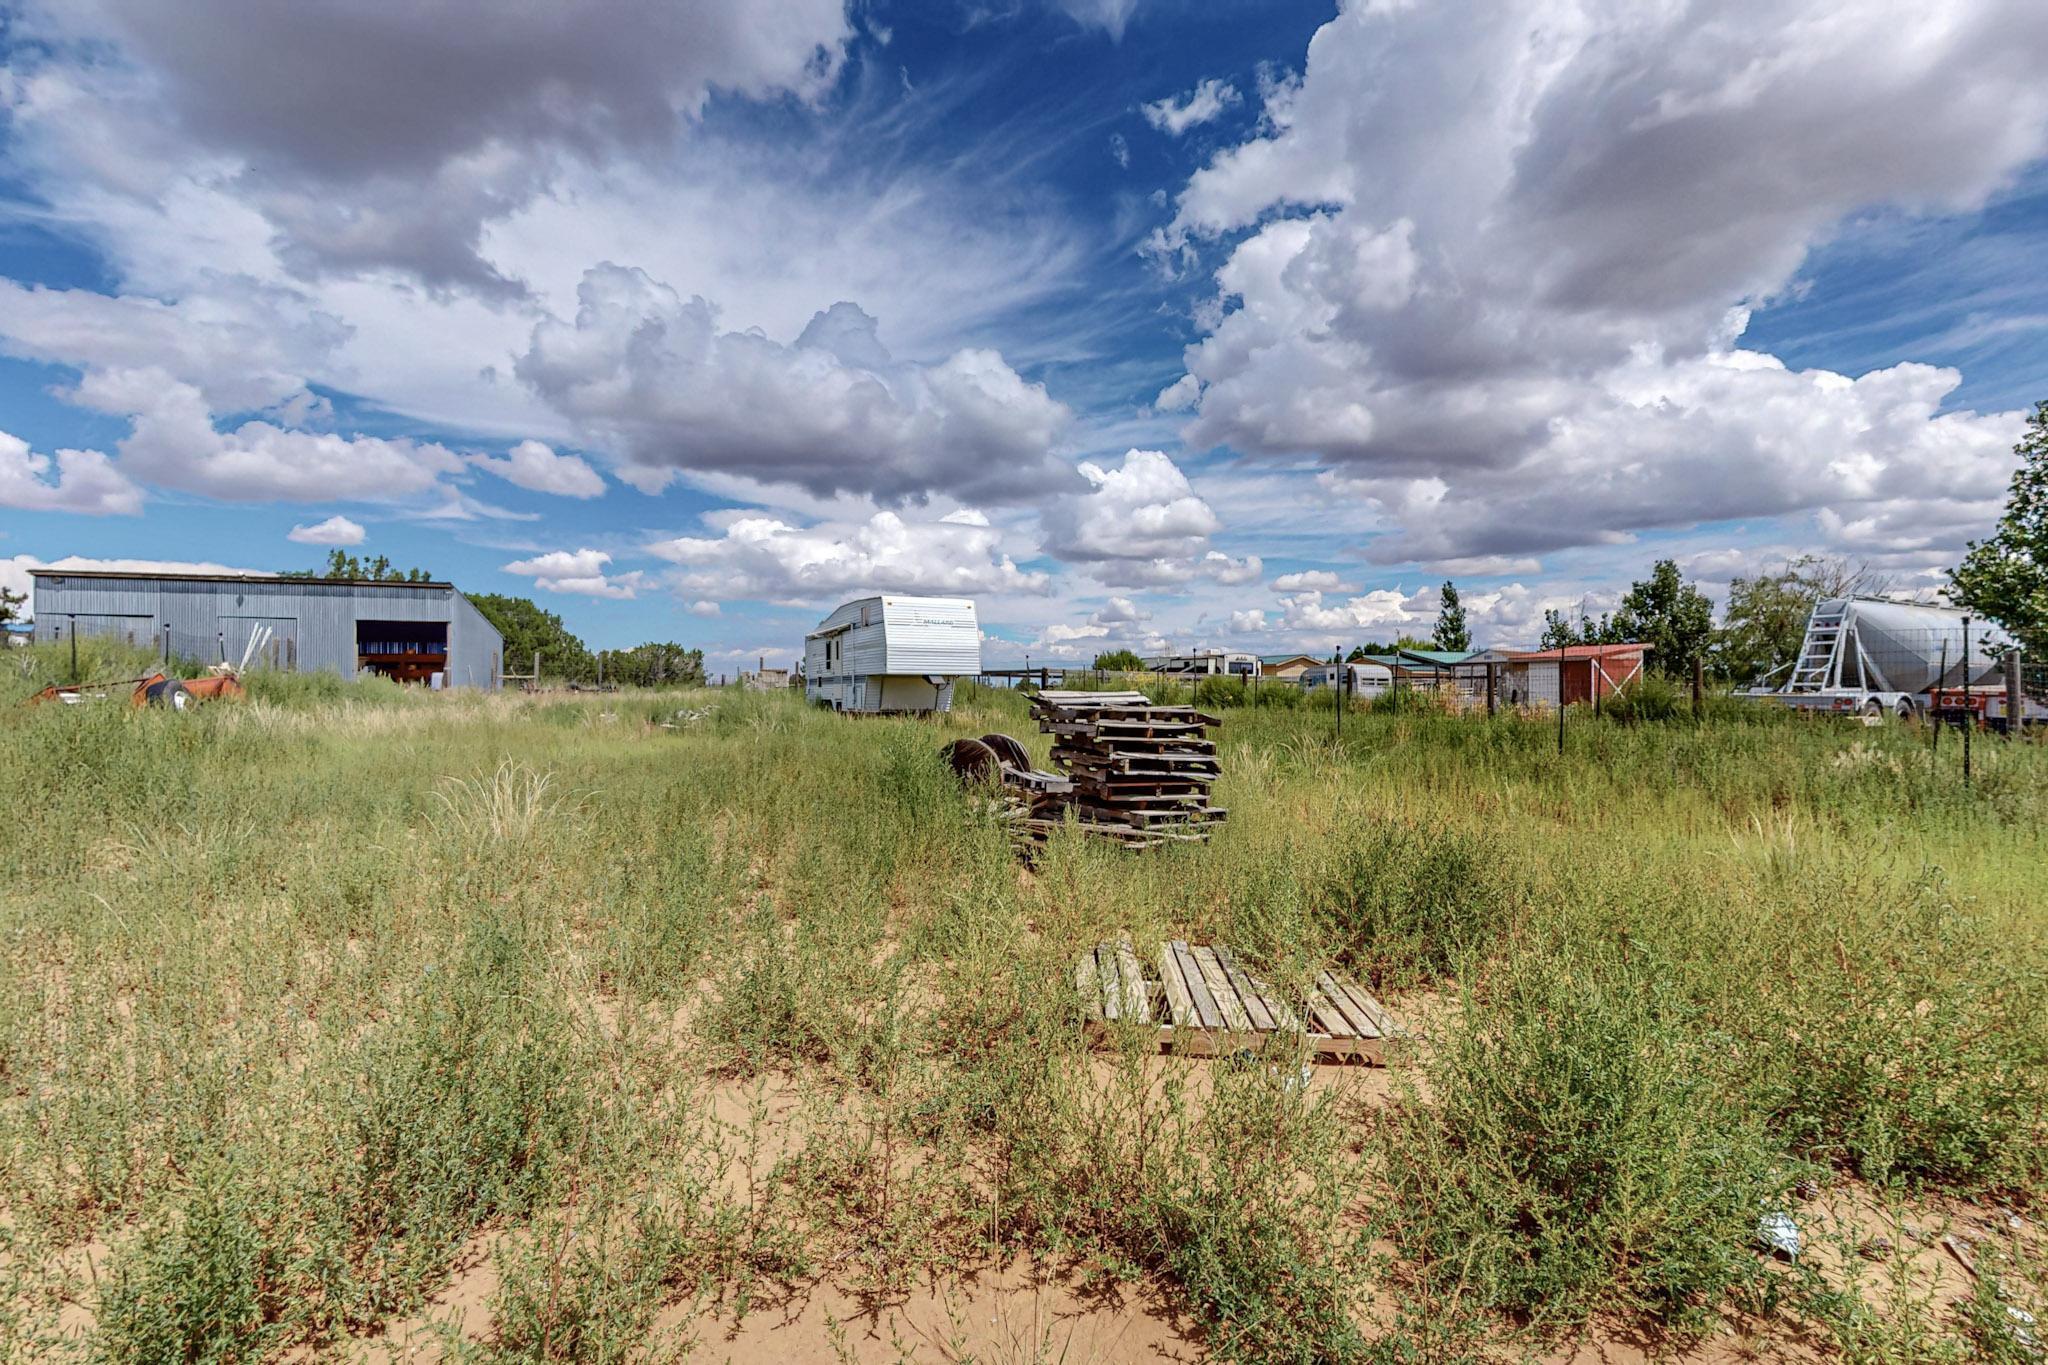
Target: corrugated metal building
892	654
408	631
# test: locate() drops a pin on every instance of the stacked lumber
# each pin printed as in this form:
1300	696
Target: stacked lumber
1140	773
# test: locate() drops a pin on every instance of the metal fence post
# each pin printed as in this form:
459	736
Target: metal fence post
1560	701
1490	671
74	646
2015	696
1969	717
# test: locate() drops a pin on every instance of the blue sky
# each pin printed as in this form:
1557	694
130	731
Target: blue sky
1144	323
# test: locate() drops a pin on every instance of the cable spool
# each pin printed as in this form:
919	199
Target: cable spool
973	761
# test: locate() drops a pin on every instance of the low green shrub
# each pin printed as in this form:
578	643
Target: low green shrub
1575	1155
1407	902
1647	698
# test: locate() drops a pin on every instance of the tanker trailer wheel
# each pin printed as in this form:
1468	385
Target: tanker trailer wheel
1905	711
973	761
1874	709
170	692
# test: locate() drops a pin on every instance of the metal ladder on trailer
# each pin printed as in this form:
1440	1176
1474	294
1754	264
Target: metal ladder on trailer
1818	651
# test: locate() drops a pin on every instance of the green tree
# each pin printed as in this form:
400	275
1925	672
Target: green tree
1119	661
1765	620
2006	577
654	665
1560	632
342	564
527	627
1671	616
8	602
1452	636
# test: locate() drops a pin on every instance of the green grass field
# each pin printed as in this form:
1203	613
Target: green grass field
671	1004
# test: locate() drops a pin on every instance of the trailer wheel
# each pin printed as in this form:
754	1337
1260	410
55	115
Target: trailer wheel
170	692
1905	710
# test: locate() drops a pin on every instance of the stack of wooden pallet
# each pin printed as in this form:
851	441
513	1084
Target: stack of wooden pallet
1141	773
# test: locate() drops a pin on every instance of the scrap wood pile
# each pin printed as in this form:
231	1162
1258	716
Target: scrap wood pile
1140	773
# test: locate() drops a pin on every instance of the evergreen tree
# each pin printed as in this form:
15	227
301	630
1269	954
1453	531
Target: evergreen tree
1452	636
2006	577
8	602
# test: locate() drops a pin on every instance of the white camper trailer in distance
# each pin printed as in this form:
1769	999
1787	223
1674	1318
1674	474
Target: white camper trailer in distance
892	654
1367	680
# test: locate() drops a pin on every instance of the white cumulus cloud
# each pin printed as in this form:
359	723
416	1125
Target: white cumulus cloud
1174	115
1498	260
763	557
70	481
650	376
583	573
534	466
336	530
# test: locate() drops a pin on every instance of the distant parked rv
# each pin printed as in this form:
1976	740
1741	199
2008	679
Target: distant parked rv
1367	680
892	654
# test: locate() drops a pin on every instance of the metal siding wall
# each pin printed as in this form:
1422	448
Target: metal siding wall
326	613
931	635
475	649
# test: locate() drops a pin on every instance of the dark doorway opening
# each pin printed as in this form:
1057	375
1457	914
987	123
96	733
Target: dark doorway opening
404	651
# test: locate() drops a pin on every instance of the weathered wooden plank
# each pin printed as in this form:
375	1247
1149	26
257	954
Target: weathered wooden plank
1180	1005
1198	989
1235	1016
1247	992
1361	1022
1382	1022
1089	985
1137	1000
1327	1016
1112	990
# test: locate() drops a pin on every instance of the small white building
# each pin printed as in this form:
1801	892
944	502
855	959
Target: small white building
892	654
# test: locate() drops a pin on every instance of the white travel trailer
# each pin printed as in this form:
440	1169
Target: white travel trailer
892	654
1367	680
1875	657
1206	663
